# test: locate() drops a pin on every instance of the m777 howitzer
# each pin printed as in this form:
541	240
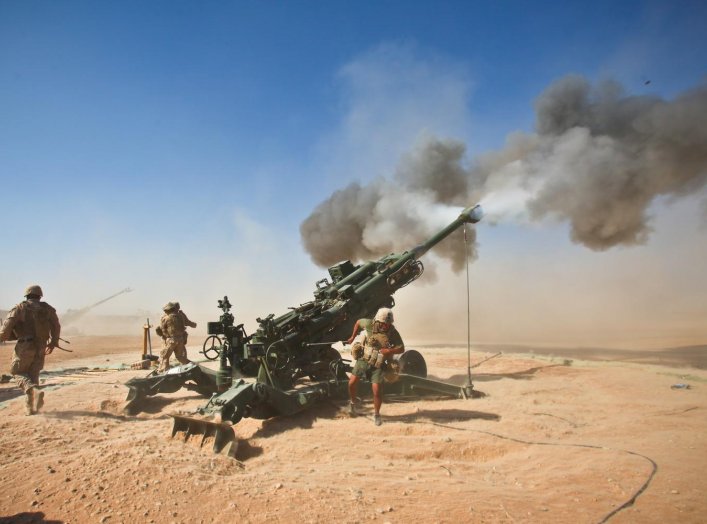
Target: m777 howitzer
292	356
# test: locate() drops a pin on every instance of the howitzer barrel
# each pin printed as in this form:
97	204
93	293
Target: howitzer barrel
297	345
471	215
400	270
288	342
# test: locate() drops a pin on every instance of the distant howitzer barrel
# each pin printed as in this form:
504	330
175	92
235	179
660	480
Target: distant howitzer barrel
72	315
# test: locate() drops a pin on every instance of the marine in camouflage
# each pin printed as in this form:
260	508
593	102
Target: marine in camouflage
380	341
173	330
35	326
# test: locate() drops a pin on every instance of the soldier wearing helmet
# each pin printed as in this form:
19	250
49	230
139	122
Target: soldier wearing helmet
173	330
373	350
35	326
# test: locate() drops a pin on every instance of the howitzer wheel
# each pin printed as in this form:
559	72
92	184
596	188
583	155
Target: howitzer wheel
212	347
326	368
413	363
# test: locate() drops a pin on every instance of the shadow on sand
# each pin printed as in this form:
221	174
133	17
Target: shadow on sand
36	517
74	414
525	374
9	394
156	404
281	424
303	420
246	451
444	416
306	419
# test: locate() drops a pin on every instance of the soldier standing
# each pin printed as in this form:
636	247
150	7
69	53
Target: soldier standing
173	330
377	348
35	326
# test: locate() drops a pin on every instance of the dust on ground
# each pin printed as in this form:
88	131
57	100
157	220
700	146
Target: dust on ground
551	440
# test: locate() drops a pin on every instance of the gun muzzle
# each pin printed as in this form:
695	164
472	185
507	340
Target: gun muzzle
472	214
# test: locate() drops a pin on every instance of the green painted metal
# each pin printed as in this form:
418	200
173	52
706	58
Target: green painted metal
292	343
290	356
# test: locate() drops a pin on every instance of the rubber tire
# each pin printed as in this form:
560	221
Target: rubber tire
413	363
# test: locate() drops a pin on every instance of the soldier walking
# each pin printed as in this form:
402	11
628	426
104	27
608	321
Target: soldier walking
173	330
378	345
35	326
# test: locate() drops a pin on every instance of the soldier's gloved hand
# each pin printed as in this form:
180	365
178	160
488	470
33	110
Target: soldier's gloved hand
50	348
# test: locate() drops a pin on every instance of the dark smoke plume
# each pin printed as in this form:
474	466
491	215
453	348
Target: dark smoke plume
598	159
367	222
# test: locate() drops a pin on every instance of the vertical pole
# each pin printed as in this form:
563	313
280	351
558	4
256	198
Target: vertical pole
149	338
469	386
146	340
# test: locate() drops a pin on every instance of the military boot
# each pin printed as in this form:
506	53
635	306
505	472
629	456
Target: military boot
39	397
29	402
352	409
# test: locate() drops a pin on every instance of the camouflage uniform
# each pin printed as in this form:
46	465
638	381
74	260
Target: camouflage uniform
186	322
173	325
373	351
373	342
35	326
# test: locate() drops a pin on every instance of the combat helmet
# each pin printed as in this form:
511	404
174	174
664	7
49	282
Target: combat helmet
169	306
384	314
34	290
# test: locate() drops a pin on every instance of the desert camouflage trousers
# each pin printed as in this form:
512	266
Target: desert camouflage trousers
27	362
176	346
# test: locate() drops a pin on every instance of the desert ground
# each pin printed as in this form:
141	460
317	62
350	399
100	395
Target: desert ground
555	436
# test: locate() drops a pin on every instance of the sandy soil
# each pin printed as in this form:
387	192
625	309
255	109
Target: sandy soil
552	440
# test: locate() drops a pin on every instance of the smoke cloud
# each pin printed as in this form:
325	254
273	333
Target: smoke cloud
597	160
363	222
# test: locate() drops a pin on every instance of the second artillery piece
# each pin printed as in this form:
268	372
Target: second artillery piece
291	356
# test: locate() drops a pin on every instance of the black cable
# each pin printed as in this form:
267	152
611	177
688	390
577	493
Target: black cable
623	506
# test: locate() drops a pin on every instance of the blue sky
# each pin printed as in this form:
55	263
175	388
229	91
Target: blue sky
175	147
